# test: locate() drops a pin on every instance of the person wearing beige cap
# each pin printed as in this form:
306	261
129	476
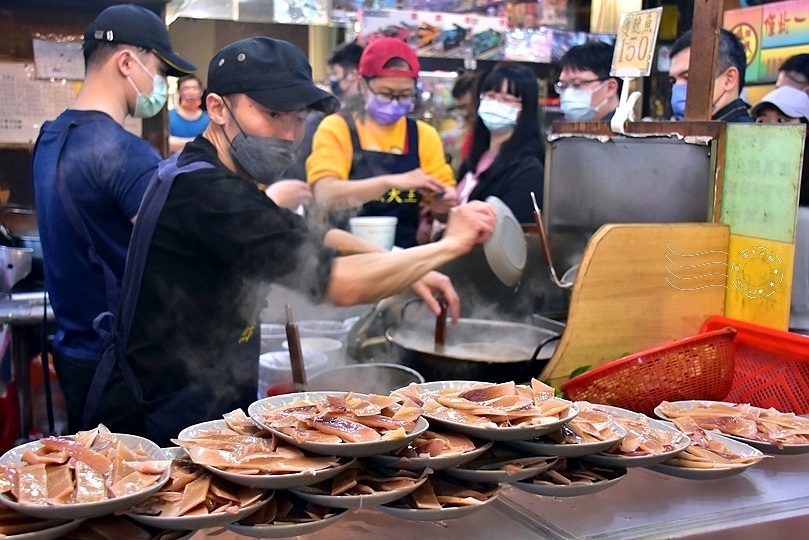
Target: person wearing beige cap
209	243
89	177
371	160
789	105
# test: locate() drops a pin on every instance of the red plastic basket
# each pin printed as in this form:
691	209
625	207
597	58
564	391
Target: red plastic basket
772	366
696	367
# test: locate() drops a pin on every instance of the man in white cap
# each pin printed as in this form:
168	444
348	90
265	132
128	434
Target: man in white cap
218	242
89	178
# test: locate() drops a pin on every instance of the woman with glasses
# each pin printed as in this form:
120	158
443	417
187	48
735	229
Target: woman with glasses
371	159
506	155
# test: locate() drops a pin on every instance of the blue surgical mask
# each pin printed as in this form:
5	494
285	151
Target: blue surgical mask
496	116
678	91
575	103
149	106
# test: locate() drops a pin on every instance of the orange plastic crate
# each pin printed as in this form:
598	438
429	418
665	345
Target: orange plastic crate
696	367
772	366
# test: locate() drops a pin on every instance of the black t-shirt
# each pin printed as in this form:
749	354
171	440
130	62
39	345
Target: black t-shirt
218	244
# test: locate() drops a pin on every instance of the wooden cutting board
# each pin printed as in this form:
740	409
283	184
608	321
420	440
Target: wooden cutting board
639	286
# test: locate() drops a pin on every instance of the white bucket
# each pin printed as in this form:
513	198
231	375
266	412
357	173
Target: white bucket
272	336
334	349
325	328
275	367
378	230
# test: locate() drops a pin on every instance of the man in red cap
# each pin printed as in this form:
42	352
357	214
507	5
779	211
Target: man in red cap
371	159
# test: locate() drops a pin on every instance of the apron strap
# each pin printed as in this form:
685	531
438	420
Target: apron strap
78	223
116	329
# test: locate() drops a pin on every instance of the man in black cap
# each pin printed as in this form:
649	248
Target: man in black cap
89	177
219	242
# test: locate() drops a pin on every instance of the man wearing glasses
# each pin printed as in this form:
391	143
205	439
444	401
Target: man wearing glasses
585	88
370	159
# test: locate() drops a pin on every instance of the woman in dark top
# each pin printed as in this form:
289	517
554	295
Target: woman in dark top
507	150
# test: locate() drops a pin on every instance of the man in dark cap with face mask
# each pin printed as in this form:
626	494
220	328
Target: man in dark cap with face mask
89	177
219	242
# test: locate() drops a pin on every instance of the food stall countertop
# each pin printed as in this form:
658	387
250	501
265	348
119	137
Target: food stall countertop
769	499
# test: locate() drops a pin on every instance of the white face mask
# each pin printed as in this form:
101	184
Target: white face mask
496	116
576	103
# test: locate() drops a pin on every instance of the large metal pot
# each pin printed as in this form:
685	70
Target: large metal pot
374	378
21	224
474	349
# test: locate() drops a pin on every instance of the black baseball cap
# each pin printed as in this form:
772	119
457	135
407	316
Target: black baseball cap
135	25
272	72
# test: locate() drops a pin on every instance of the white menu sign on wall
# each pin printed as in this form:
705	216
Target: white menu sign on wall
26	102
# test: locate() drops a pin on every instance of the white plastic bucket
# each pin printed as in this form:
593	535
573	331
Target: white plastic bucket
272	336
334	349
275	368
378	230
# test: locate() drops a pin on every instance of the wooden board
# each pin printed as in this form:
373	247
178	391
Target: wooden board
638	286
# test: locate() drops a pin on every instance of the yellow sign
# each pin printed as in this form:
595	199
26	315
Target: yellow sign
635	43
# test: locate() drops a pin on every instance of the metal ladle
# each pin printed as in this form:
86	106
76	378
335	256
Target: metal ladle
546	248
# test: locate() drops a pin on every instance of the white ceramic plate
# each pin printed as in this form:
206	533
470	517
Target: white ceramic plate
515	433
344	449
50	533
195	522
681	442
572	490
92	509
436	463
419	514
355	501
767	448
470	471
734	445
265	481
269	530
505	250
544	447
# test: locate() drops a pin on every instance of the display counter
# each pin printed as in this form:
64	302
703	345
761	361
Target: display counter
770	500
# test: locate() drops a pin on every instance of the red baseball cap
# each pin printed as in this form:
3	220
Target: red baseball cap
380	52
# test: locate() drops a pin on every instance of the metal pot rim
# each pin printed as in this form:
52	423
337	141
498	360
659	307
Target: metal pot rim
543	335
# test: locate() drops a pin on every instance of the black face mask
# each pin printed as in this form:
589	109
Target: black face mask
335	87
264	158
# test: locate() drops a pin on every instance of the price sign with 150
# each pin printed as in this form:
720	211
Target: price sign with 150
635	43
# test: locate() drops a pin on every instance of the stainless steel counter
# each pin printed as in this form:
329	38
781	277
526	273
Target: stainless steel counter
766	501
24	308
24	312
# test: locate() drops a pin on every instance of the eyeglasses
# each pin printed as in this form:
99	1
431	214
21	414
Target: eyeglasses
505	99
403	98
575	84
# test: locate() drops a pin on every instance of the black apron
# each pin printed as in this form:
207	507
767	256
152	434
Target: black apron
160	419
403	205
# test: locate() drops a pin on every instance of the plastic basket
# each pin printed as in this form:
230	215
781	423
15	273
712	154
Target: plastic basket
772	366
696	367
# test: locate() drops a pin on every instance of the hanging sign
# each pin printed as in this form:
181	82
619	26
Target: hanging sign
635	43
